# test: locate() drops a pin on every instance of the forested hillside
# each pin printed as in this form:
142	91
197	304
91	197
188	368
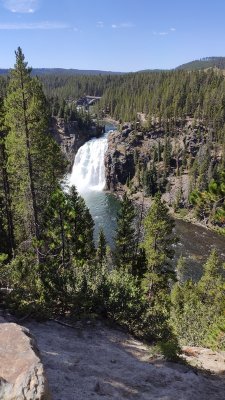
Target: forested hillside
168	96
204	63
175	143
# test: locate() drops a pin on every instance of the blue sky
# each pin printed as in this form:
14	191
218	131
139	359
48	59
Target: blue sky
116	35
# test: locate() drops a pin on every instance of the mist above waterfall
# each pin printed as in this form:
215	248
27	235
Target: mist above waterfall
88	171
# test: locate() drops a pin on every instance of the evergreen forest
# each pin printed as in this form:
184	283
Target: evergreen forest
177	104
49	263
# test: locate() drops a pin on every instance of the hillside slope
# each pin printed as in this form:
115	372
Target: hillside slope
204	63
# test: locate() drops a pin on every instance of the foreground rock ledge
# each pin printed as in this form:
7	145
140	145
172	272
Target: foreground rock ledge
21	371
88	360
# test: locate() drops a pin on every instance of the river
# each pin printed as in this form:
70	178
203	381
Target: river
88	175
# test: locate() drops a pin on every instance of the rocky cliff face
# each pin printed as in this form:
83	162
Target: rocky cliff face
119	160
70	137
131	153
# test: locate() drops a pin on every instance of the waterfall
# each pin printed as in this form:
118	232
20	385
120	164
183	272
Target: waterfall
88	171
88	175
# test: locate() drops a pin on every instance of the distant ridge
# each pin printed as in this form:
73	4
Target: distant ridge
64	71
204	63
4	71
152	70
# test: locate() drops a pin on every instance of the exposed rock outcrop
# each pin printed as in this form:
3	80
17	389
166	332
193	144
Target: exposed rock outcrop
70	137
22	375
92	362
119	161
132	152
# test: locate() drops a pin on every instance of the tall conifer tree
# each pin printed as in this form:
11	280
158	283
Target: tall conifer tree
124	252
158	241
32	164
101	249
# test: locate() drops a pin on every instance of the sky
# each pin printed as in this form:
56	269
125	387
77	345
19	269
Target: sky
112	35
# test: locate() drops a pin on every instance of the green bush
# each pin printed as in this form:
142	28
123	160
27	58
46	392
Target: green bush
124	303
170	349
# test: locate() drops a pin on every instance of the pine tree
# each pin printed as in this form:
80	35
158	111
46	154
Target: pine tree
18	119
167	154
82	226
150	181
198	308
68	228
158	240
124	251
34	162
57	231
101	249
211	284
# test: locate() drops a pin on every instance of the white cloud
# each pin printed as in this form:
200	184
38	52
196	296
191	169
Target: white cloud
21	6
45	25
100	24
123	25
164	33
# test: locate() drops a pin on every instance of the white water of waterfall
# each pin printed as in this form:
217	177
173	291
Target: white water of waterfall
88	173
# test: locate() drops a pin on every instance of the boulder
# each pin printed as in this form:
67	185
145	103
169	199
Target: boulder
22	374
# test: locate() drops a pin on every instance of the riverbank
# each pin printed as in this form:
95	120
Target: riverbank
183	214
134	161
195	240
189	217
110	120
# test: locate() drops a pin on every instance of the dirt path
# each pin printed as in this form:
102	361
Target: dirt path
94	362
